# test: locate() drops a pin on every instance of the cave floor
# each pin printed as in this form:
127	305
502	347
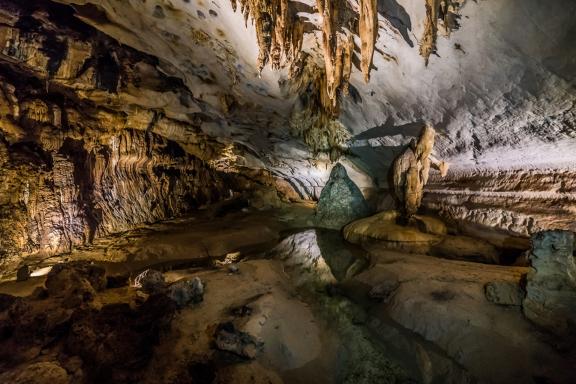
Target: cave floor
325	311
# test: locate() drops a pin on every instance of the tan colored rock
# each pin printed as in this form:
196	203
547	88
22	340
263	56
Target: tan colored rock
368	28
409	173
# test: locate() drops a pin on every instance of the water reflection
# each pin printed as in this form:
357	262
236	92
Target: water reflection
319	256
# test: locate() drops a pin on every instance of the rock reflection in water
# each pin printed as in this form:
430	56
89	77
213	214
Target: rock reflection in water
319	256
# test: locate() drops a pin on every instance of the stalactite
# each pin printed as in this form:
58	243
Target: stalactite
279	31
338	46
368	30
447	12
428	42
314	117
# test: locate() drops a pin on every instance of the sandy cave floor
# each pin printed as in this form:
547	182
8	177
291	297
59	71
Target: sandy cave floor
308	296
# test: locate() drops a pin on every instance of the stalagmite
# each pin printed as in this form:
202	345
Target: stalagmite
409	173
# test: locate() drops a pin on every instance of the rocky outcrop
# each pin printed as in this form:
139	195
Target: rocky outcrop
551	284
94	138
409	173
341	201
518	202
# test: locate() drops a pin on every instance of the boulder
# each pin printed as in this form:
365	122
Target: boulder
117	340
551	283
230	339
150	281
341	201
76	282
46	372
184	292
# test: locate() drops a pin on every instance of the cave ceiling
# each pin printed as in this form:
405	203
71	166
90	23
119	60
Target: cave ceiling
290	81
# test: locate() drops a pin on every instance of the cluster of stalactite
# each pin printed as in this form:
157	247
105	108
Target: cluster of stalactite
315	115
278	30
445	11
280	33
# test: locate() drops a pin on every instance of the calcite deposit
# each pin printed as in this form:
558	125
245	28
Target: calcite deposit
409	173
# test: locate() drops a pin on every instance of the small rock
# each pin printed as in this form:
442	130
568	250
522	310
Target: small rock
229	339
384	291
233	268
503	293
150	281
39	293
184	292
23	273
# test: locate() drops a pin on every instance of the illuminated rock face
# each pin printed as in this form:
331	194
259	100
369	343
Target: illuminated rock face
341	201
409	173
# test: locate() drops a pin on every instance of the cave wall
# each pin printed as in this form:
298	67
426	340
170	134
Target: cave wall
94	139
521	202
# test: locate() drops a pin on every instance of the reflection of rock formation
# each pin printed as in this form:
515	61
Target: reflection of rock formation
551	289
409	172
341	201
319	256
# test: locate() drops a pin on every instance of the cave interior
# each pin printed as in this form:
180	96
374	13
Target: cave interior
287	191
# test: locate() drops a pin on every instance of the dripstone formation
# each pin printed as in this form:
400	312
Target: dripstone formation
409	173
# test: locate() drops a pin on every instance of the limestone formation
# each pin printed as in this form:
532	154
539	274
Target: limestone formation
341	201
551	284
409	173
447	12
279	31
368	31
423	235
94	138
230	339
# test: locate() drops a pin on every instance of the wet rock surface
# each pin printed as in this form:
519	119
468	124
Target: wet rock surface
504	293
313	309
424	235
